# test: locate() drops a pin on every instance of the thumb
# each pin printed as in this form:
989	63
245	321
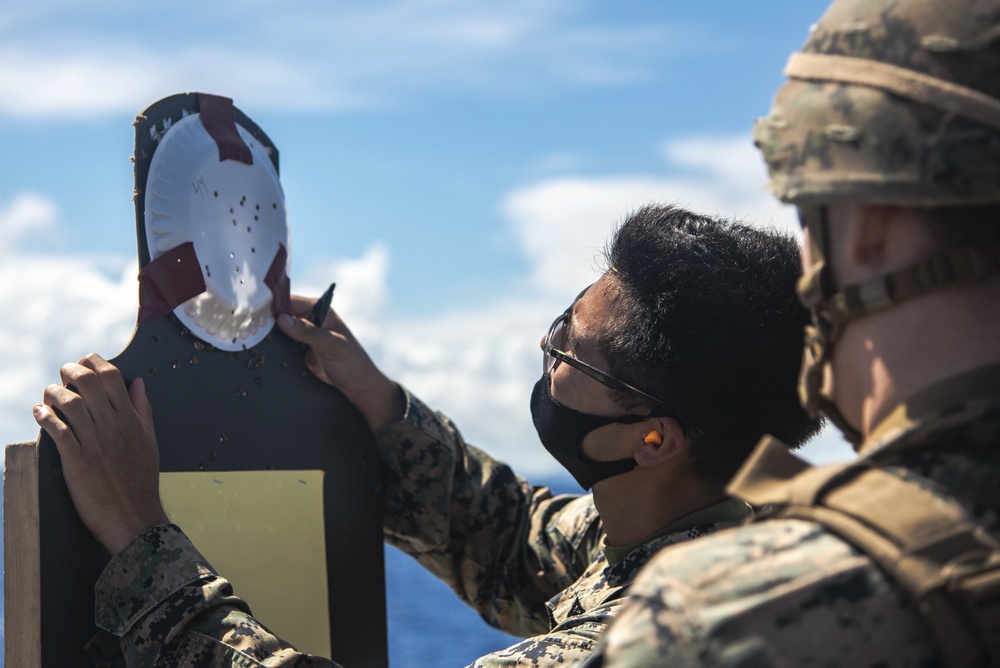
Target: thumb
298	329
140	402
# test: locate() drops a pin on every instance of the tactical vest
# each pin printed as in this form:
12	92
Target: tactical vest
948	564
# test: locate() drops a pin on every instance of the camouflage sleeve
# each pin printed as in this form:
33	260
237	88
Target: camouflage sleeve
777	593
167	606
503	546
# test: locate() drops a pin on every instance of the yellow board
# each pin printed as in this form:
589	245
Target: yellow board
263	531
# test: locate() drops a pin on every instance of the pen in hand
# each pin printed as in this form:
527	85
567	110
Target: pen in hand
318	313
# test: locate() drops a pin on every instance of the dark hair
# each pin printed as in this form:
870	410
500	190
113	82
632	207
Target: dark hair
706	319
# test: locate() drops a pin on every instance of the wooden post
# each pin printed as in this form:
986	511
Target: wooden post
22	592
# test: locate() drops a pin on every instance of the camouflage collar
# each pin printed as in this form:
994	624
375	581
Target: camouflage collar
728	511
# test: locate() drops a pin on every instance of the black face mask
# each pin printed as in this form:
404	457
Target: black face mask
563	429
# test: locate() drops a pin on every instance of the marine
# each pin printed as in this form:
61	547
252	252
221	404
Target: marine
886	138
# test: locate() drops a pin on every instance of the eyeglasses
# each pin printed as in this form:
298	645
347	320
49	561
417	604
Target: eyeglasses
553	355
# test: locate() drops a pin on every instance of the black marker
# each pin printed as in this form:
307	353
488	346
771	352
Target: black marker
318	313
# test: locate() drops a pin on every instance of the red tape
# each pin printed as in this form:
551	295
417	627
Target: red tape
277	280
217	117
169	281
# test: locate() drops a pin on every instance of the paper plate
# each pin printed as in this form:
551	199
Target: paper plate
235	216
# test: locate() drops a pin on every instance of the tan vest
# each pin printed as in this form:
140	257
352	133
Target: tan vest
949	565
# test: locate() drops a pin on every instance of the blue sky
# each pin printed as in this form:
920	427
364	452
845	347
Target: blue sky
454	165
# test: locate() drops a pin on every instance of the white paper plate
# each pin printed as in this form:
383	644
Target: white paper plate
234	214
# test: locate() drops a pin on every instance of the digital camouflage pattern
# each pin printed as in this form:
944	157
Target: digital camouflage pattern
825	141
532	564
789	592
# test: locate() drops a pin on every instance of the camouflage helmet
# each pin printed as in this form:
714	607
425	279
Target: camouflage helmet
890	102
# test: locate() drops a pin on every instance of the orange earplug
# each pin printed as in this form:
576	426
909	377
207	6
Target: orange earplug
653	438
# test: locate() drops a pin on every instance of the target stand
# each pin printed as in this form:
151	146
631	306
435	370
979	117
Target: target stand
272	473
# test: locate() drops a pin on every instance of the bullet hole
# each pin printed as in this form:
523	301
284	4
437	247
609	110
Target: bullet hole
258	380
193	360
175	365
274	206
258	207
184	331
156	338
207	270
216	193
232	210
232	256
198	345
214	456
241	393
234	222
303	481
253	250
223	438
152	372
248	228
201	466
256	217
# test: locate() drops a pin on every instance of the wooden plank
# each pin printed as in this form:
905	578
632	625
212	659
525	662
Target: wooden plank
21	548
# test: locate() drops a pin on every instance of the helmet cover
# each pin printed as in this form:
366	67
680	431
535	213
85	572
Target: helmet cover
924	132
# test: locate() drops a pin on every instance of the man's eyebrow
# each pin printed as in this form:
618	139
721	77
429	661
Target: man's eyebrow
569	328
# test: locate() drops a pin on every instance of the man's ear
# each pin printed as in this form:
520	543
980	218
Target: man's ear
866	245
658	440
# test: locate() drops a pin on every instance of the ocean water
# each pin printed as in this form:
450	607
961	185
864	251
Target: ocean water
428	625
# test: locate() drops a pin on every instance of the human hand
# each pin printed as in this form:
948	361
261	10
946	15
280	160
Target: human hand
107	445
336	358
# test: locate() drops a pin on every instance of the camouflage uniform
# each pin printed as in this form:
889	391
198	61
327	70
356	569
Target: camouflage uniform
789	592
532	564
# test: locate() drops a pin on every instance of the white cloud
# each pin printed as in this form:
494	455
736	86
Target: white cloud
561	224
26	214
105	58
56	309
361	285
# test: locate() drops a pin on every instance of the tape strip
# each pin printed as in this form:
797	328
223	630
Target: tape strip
169	281
277	280
217	117
922	88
